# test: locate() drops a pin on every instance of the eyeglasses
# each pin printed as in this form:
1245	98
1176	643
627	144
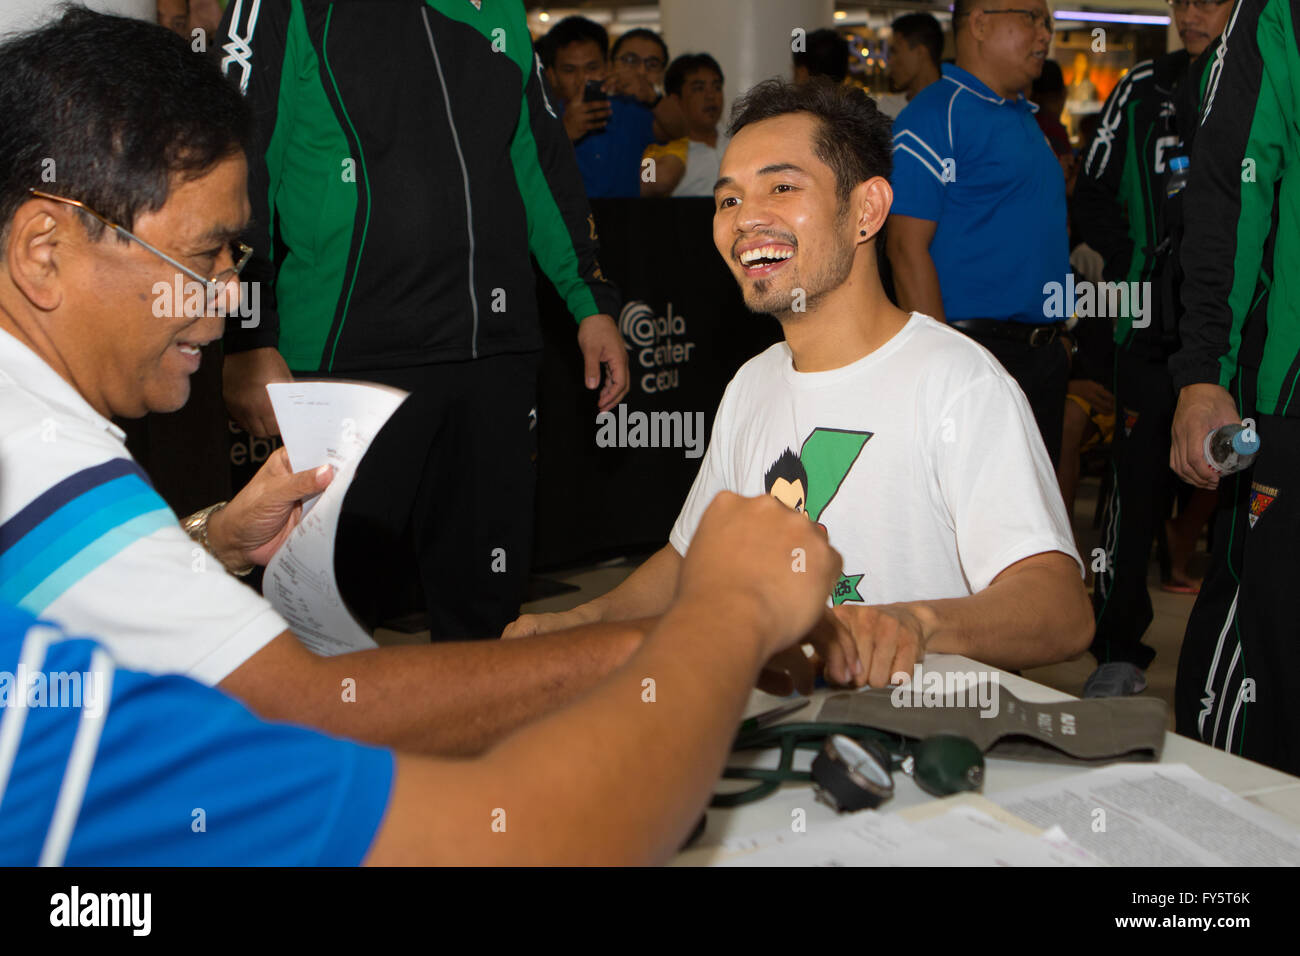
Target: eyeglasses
239	252
1202	5
632	61
1037	18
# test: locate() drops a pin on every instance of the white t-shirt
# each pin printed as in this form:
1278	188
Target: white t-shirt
922	460
86	542
702	164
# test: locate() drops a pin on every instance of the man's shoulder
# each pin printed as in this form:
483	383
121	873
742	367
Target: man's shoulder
26	417
938	112
51	459
928	106
949	360
764	367
1137	84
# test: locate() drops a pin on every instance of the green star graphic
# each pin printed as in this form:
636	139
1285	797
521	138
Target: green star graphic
846	589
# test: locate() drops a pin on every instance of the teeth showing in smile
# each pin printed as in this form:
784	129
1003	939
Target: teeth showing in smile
764	254
187	348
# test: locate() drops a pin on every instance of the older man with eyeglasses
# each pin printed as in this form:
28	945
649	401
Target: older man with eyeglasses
120	178
978	225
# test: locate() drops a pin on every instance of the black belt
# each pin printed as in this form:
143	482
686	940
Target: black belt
1035	336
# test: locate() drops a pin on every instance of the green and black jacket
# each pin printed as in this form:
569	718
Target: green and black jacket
1243	193
1119	206
408	160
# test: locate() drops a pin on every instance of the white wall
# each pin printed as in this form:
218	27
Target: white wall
750	39
18	15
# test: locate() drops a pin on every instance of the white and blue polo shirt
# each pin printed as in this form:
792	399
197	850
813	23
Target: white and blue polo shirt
87	542
101	766
979	166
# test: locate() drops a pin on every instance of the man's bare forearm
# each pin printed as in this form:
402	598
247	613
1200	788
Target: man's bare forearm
452	699
1036	612
645	593
916	281
618	777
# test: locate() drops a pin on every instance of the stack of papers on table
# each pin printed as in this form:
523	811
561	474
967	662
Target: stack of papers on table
965	830
1157	815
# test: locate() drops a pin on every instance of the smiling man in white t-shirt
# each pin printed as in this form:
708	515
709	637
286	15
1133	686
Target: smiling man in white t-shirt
904	438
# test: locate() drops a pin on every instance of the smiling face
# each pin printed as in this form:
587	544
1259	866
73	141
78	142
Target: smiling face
1199	28
1010	43
152	357
778	222
94	319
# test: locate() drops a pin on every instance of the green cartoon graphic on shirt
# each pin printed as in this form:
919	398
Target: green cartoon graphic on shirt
808	482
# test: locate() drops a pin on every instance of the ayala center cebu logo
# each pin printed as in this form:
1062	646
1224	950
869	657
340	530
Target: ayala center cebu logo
658	344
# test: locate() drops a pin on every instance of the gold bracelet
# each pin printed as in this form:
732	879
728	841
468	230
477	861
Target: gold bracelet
196	526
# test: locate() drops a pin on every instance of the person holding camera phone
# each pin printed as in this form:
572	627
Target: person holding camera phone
609	129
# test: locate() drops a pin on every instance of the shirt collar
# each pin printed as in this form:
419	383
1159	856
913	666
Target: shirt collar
970	81
32	374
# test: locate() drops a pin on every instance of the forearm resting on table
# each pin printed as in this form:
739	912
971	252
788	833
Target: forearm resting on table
1035	612
447	698
613	778
645	593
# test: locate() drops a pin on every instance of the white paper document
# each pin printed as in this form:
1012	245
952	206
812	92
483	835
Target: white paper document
322	423
1157	815
950	833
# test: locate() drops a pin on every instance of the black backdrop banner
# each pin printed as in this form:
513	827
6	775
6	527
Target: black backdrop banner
600	490
687	331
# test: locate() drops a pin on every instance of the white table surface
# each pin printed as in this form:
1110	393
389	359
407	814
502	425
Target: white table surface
1264	786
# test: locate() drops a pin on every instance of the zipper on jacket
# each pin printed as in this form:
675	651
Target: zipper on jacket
469	209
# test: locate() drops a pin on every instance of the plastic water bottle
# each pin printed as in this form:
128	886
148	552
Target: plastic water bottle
1179	172
1232	448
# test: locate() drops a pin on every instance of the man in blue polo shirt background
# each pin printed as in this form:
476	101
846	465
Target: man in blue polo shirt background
609	134
978	223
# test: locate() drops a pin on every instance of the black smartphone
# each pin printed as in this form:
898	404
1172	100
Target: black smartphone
593	92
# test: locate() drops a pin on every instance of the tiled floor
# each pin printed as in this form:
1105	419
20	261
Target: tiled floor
1165	634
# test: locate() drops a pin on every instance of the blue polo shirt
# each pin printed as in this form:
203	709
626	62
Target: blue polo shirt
610	159
103	766
980	167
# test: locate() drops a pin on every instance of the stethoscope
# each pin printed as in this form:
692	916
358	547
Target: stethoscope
854	766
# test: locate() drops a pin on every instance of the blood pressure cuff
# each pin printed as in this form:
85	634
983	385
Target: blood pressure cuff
1092	732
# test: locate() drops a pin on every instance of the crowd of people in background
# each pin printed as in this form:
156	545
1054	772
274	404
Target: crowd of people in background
982	221
643	124
947	239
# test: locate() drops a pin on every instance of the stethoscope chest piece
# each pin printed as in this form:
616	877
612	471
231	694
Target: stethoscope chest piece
850	775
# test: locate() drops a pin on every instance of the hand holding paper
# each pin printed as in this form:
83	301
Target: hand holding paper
322	423
260	518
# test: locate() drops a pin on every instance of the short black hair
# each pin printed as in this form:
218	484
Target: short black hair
644	34
825	53
1050	81
789	467
853	138
568	31
111	108
923	29
684	66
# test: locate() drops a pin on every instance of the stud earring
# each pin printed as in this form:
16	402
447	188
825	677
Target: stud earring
862	232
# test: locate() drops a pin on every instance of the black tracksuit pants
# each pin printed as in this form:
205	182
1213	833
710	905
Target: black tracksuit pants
1240	663
1141	494
440	514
